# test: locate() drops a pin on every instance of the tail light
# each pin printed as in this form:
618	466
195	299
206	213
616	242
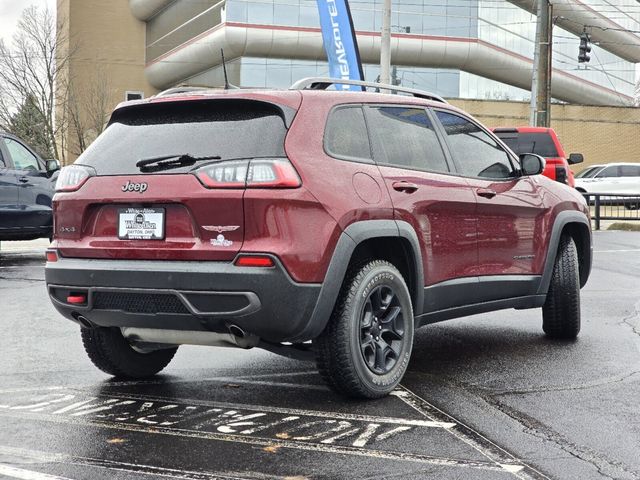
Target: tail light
257	173
71	178
561	174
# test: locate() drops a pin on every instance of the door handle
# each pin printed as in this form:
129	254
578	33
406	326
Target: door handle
23	179
486	192
403	186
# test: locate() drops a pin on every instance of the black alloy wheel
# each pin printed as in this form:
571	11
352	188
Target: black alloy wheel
382	330
365	348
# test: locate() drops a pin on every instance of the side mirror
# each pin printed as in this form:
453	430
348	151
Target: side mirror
575	158
52	166
531	164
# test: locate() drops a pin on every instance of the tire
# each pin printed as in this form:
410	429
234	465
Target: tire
364	351
632	205
561	310
112	353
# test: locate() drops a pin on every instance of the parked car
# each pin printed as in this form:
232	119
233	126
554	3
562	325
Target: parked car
277	218
26	188
544	142
616	178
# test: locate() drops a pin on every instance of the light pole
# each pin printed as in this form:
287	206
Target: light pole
385	44
542	69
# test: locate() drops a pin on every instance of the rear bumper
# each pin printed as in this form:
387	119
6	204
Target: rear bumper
184	295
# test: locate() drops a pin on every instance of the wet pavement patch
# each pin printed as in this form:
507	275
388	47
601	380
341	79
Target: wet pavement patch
422	436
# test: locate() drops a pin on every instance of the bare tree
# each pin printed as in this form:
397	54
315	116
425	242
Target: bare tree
32	72
88	109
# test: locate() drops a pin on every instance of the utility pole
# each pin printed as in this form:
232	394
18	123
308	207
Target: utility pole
385	43
541	80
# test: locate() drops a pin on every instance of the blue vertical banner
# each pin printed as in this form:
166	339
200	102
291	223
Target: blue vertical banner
339	38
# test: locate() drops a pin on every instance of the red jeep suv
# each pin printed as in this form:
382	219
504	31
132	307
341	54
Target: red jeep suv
309	222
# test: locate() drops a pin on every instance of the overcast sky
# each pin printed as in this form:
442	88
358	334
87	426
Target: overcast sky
10	11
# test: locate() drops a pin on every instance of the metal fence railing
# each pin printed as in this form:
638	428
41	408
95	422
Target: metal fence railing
612	206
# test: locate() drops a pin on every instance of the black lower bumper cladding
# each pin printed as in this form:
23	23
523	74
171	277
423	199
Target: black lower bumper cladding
180	295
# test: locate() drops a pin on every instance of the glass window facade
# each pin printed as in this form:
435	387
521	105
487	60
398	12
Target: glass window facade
498	23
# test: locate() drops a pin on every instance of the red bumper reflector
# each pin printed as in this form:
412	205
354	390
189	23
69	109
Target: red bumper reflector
77	299
254	261
52	256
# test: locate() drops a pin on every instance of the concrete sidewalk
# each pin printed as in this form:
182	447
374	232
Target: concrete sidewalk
39	244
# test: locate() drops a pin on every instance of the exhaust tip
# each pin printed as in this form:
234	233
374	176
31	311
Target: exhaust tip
236	331
82	320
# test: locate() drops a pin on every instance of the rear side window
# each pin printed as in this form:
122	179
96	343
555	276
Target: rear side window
346	135
405	137
228	128
477	154
538	143
630	170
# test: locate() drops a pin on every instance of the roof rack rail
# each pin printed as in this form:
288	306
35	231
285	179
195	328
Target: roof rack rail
322	83
180	89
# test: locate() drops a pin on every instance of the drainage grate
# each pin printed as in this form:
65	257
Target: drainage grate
138	302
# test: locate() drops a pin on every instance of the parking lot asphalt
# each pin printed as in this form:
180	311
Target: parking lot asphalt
485	397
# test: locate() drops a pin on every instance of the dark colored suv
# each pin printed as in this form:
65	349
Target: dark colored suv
26	189
306	222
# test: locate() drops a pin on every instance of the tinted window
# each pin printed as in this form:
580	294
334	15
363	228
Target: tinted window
476	152
538	143
404	137
629	170
22	158
228	128
588	172
346	134
608	172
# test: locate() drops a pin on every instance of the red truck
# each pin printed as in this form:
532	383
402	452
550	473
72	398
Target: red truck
544	142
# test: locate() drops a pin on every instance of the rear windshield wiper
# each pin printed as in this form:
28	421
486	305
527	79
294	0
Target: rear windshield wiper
166	162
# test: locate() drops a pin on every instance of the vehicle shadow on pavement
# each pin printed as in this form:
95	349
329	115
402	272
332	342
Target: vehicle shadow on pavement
468	351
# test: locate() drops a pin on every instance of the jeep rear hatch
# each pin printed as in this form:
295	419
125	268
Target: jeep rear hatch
166	180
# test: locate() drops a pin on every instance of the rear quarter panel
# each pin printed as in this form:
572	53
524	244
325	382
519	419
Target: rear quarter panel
330	182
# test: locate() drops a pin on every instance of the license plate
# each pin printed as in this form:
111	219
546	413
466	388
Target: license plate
141	223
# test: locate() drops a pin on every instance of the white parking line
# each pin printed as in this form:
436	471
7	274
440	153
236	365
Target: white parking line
68	401
13	472
64	459
617	251
267	442
478	442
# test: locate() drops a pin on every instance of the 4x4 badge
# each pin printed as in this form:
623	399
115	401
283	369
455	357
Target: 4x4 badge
221	228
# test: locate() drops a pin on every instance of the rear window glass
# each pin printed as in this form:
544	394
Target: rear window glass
538	143
228	128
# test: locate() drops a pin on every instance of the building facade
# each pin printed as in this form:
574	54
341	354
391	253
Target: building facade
457	48
460	49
